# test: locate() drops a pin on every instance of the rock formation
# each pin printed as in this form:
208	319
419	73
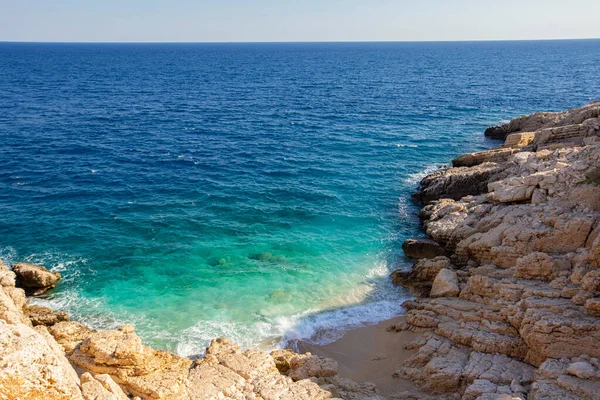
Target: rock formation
514	311
45	356
508	288
35	279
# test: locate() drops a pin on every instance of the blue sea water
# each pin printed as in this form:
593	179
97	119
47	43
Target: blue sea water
255	191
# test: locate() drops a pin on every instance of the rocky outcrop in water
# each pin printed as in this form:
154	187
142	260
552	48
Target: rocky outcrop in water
514	311
35	279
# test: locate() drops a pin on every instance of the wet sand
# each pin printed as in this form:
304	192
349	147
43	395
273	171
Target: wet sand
370	354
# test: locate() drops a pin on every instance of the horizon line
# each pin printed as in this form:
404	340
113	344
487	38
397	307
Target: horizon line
299	41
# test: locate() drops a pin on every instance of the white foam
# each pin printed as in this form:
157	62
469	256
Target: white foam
374	301
414	179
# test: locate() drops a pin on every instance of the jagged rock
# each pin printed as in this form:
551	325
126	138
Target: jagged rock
12	301
456	183
35	279
592	306
420	278
422	248
138	369
40	315
100	387
226	371
7	277
70	334
591	281
494	155
31	368
445	284
304	366
535	265
534	122
528	248
283	358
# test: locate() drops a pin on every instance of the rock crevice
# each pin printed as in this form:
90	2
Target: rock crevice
514	309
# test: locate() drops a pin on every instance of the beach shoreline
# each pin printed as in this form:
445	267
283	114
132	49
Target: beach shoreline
371	354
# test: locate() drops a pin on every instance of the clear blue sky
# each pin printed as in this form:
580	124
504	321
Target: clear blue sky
301	20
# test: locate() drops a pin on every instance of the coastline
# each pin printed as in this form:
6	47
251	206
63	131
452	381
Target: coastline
507	305
371	354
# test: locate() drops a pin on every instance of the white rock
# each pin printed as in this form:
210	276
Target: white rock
445	284
582	369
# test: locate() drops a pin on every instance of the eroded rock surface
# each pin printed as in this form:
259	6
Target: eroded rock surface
525	249
61	359
35	279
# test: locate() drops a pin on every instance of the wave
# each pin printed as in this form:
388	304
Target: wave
415	178
375	301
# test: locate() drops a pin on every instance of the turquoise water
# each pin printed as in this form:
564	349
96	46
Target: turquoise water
256	191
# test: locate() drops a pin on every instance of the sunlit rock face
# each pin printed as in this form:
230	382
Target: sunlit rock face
525	249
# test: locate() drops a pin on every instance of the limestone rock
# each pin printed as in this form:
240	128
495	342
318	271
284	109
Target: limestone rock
534	122
420	278
445	284
304	366
582	369
40	315
535	265
422	248
526	253
11	303
138	369
456	183
101	387
31	369
70	334
35	279
283	359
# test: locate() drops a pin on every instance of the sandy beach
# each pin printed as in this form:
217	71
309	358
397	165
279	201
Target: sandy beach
371	354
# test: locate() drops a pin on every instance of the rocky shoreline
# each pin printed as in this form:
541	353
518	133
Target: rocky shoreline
508	280
507	286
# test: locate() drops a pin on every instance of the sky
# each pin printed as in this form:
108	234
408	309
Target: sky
296	20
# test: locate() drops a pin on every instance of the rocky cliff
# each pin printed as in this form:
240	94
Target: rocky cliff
512	308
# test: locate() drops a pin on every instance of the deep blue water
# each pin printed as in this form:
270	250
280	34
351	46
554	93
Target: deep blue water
247	190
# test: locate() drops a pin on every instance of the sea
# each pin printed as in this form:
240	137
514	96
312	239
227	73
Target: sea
256	191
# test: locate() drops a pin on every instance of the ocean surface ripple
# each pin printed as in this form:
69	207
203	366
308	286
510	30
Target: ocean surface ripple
254	191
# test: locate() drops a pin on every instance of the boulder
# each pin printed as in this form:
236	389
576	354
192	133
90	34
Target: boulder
420	278
445	284
35	279
100	387
304	366
32	368
456	183
582	369
40	315
422	248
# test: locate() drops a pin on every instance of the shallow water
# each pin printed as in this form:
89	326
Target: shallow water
255	191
